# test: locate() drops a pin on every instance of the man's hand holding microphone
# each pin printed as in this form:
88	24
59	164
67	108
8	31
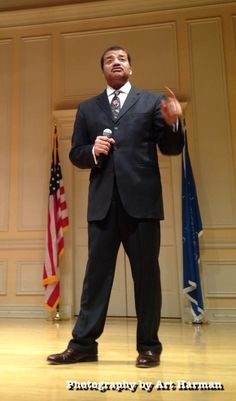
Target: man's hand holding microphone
102	146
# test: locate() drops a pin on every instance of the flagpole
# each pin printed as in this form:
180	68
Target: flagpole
57	316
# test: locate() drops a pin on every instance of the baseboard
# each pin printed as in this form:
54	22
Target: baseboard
32	311
211	315
221	315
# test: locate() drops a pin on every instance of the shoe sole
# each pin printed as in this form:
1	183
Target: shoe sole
85	359
144	365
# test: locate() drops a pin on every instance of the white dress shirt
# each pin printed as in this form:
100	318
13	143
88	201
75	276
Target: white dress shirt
124	91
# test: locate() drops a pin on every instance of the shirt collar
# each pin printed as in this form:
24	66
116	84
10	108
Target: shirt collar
124	89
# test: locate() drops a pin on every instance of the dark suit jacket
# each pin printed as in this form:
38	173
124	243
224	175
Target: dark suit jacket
133	160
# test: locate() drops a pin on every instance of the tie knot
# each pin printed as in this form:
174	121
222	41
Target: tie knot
116	93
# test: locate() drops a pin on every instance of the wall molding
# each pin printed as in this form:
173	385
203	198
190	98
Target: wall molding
22	244
23	311
221	315
29	277
219	278
75	89
64	121
6	84
33	312
214	176
217	245
82	11
35	68
3	277
211	315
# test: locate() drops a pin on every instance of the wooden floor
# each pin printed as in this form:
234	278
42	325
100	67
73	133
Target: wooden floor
193	354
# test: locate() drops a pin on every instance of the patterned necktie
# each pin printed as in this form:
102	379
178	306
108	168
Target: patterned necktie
115	104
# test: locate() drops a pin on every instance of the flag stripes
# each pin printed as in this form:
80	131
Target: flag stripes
57	223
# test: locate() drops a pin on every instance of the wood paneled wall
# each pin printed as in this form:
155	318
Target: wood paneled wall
49	60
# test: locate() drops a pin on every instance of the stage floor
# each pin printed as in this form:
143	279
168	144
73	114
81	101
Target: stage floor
194	357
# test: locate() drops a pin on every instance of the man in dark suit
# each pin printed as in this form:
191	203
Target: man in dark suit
125	202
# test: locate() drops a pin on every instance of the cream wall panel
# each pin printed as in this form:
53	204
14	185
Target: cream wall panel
80	58
29	278
234	24
5	101
219	278
168	234
168	253
35	138
211	124
170	282
3	277
150	36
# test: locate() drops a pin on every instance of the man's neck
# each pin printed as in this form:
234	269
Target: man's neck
117	85
126	86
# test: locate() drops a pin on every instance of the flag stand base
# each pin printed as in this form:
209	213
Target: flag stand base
55	315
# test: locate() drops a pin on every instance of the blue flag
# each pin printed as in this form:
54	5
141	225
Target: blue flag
192	229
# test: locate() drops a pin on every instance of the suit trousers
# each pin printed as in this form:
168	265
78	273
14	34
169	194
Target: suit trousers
141	241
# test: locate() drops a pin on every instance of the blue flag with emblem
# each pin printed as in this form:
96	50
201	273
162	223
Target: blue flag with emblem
192	229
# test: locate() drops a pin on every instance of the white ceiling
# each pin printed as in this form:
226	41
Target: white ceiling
11	5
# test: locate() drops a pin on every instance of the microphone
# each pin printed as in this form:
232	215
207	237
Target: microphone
102	157
107	132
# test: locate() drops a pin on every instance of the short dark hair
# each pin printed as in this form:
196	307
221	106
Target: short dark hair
114	47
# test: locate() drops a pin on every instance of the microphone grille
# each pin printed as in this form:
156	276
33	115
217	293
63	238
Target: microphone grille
107	132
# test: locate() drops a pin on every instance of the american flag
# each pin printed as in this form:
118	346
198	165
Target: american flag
57	223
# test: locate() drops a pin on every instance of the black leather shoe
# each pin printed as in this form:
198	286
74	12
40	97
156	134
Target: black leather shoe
148	359
71	355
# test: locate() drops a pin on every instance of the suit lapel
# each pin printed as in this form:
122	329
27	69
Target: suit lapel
131	99
103	103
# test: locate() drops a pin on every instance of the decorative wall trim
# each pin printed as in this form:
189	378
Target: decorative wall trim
220	243
78	12
32	311
22	244
6	68
29	277
3	277
221	315
215	177
219	278
23	311
64	120
35	68
73	86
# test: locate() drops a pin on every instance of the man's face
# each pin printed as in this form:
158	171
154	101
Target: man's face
116	68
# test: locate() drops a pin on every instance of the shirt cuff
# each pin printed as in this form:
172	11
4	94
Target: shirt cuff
94	156
176	126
